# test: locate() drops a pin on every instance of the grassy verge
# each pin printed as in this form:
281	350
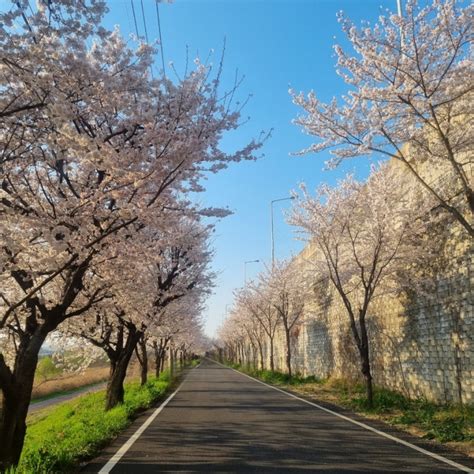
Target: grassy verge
61	437
450	424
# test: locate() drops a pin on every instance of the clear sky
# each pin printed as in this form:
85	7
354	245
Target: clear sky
276	44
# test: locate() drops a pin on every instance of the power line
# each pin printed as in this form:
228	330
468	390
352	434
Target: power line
25	19
144	22
134	18
161	40
125	4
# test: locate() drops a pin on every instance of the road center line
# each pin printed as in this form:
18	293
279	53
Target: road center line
438	457
130	441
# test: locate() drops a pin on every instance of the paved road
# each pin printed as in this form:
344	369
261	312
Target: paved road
35	406
222	421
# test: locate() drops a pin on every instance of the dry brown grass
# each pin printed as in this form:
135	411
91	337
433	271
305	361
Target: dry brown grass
66	382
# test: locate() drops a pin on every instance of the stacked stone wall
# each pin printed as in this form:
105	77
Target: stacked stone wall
423	347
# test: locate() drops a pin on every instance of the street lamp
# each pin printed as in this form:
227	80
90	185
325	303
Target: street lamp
245	268
273	233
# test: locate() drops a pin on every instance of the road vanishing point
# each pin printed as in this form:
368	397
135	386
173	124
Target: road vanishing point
220	420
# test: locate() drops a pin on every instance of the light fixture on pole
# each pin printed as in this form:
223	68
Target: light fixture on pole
245	268
273	232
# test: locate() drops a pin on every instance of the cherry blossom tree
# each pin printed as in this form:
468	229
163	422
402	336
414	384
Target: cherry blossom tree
255	334
233	337
141	352
286	290
190	335
410	99
179	321
147	279
365	235
93	152
255	298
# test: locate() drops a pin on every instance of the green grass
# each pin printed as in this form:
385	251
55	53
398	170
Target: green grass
276	378
61	437
444	423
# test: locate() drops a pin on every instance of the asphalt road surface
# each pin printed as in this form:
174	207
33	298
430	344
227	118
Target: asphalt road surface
222	421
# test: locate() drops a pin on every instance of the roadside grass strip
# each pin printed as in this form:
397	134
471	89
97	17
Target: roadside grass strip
59	438
448	423
438	457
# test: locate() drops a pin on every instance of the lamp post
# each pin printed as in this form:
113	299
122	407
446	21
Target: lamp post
399	7
245	268
273	232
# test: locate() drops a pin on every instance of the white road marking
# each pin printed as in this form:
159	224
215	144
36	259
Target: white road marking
128	444
363	425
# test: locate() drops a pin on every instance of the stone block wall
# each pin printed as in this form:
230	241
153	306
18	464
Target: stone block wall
423	347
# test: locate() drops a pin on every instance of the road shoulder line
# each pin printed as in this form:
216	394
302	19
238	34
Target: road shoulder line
110	464
438	457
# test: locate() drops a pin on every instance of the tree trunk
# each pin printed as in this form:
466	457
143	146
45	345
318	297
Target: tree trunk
115	391
288	351
368	380
118	370
160	356
260	350
160	353
143	363
158	365
252	358
365	361
16	389
17	385
272	362
171	361
163	359
16	401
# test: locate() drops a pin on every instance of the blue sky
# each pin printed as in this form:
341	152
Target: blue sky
276	44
